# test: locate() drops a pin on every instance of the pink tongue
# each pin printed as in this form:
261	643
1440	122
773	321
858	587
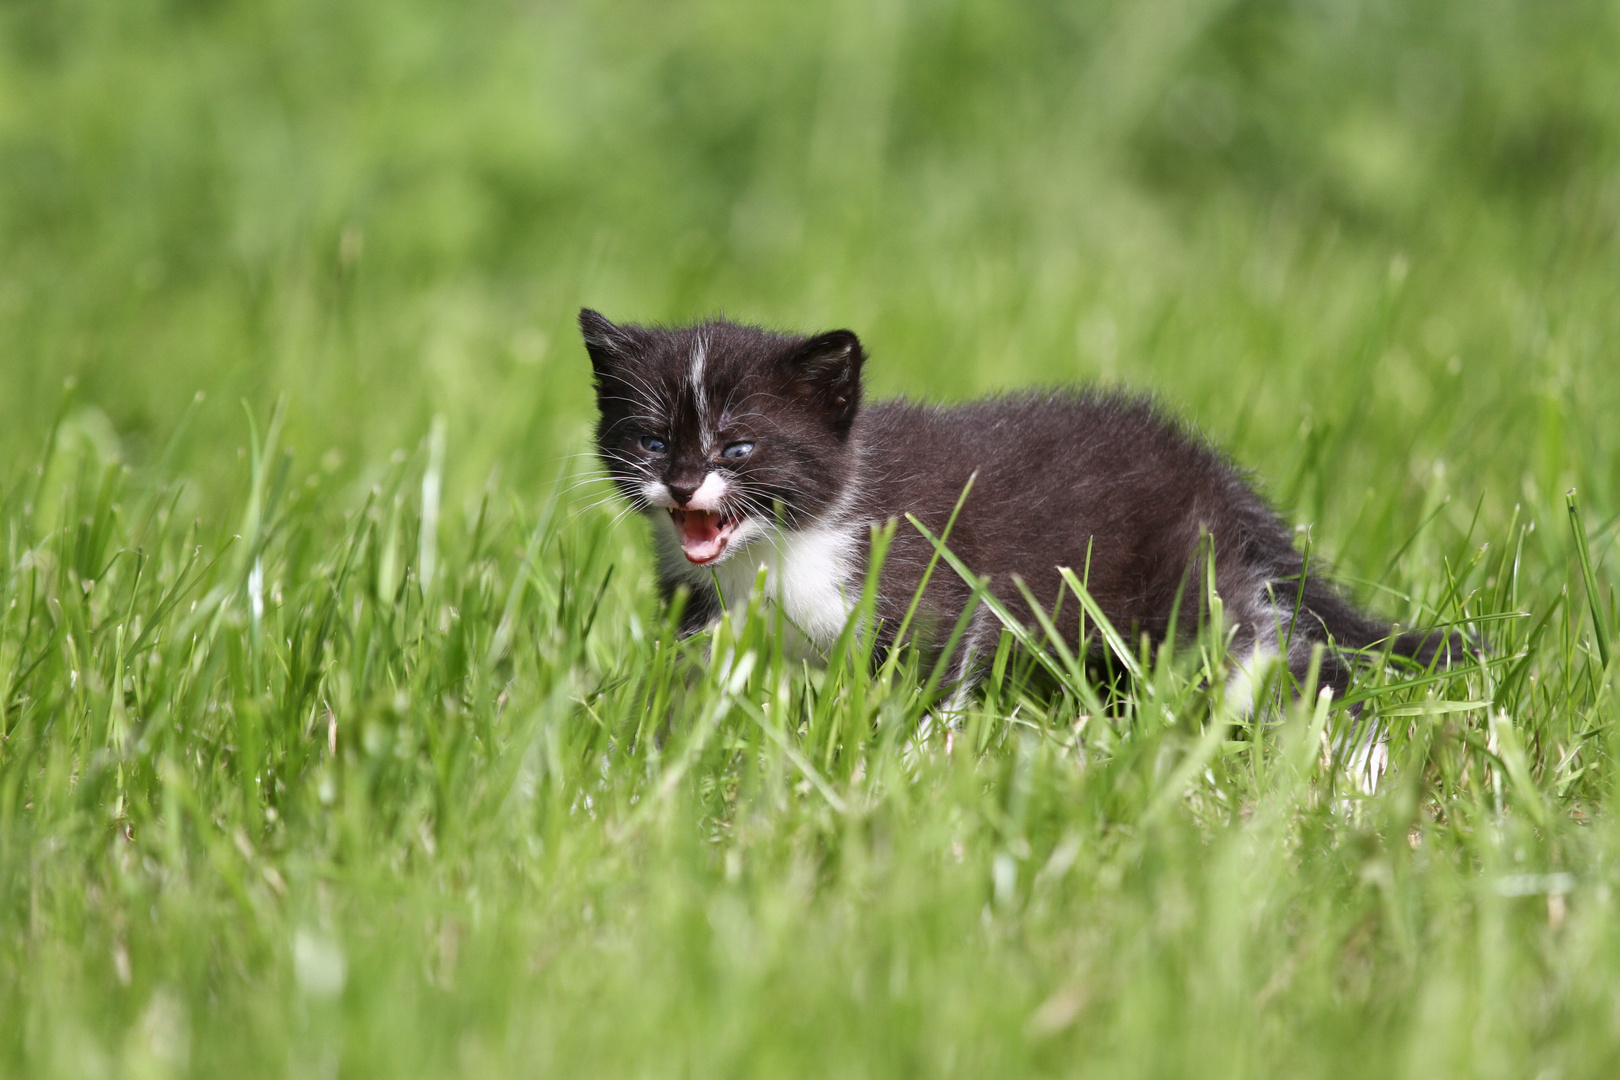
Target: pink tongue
700	535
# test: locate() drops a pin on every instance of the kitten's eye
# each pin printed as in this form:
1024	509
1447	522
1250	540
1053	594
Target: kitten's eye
653	444
737	450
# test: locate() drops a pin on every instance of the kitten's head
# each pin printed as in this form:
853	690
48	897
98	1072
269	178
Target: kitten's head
724	430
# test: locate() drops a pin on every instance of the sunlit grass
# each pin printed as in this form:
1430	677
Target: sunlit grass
271	799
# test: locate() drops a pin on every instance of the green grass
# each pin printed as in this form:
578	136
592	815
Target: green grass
341	732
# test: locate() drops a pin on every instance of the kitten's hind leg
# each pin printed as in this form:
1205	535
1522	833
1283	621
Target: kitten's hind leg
1362	748
954	711
1261	644
1252	670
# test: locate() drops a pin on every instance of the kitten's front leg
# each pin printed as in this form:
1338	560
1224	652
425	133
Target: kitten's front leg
699	610
696	618
968	668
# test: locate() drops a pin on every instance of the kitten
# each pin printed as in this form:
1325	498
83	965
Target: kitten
746	448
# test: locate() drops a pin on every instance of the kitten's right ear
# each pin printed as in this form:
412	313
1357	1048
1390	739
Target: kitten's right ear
607	344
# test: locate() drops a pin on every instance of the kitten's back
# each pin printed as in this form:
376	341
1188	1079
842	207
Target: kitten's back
1066	478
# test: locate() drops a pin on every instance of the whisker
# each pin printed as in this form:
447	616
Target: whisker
635	381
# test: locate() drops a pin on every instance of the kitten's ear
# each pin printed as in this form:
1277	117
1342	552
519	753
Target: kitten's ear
607	344
830	367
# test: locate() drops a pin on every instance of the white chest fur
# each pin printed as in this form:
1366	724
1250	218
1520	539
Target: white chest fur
811	575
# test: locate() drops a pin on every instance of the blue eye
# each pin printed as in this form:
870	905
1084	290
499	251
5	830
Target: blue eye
653	444
737	450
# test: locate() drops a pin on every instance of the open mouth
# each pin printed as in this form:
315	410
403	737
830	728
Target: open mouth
704	534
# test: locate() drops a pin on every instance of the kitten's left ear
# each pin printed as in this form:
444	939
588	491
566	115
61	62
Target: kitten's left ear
830	367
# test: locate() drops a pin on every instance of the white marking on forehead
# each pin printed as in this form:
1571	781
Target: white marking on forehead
700	391
700	352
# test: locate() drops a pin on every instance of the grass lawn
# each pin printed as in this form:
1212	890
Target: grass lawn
342	733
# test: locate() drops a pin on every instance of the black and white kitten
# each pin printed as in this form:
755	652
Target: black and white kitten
747	448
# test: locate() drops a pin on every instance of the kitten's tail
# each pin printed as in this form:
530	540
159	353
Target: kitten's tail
1327	617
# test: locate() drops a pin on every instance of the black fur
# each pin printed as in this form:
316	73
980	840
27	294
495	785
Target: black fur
1058	475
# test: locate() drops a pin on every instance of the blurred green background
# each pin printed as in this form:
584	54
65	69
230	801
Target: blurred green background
1388	224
